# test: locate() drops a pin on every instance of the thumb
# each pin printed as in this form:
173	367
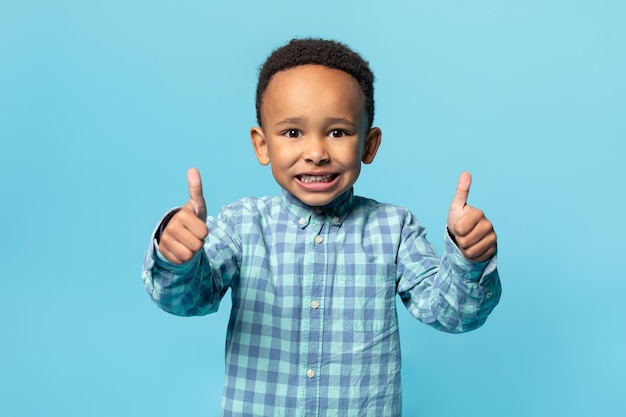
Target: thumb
196	198
462	191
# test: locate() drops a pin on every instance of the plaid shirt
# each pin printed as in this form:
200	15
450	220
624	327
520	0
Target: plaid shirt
313	329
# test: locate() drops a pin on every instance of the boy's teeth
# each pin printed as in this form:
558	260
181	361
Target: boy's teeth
316	178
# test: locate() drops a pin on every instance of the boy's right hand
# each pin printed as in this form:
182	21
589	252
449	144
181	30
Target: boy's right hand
184	234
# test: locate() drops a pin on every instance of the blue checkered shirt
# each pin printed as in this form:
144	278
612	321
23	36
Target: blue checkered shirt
313	328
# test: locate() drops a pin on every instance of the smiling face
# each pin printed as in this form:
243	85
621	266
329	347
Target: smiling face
315	132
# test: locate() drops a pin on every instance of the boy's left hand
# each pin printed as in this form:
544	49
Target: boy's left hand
470	229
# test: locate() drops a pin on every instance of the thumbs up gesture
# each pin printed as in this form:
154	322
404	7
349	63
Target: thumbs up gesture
184	234
470	229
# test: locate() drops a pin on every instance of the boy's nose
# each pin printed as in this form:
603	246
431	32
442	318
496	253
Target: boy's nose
315	151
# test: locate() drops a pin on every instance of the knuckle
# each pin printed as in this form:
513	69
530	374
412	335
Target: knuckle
471	252
184	254
173	224
196	246
164	241
459	229
462	242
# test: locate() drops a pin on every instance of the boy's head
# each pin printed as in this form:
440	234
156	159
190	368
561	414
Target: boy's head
315	119
323	52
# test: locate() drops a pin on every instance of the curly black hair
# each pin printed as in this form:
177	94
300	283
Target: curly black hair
331	54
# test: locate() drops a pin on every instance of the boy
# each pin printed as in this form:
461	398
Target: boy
314	272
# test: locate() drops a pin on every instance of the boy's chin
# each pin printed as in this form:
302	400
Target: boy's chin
316	200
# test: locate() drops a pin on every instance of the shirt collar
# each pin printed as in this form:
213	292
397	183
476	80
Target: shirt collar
336	211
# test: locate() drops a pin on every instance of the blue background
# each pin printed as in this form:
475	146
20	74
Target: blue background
104	106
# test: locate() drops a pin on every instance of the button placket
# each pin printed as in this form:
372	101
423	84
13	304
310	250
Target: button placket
317	235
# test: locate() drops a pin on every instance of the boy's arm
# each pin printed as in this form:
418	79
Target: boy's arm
187	289
180	276
457	292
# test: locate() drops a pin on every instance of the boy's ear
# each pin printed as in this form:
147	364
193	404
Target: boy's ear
260	145
372	142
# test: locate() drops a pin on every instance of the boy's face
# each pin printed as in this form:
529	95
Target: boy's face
315	132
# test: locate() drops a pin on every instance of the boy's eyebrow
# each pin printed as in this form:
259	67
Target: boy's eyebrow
290	121
340	120
330	120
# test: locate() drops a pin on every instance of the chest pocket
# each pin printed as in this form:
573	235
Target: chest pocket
367	297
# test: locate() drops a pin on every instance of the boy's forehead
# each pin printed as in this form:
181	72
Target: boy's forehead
301	78
313	92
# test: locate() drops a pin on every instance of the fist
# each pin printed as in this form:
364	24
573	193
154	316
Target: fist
184	234
468	226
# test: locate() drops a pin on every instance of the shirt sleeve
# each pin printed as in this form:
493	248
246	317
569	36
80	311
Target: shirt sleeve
195	287
449	292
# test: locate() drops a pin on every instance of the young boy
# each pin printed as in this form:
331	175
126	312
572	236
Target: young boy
314	272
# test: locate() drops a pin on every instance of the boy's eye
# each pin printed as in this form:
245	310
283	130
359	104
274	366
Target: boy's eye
292	133
337	133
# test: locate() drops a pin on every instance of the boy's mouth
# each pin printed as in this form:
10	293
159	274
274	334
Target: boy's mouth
316	178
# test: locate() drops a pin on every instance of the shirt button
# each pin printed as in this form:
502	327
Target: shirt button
488	295
302	221
315	304
335	219
310	373
319	239
318	210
